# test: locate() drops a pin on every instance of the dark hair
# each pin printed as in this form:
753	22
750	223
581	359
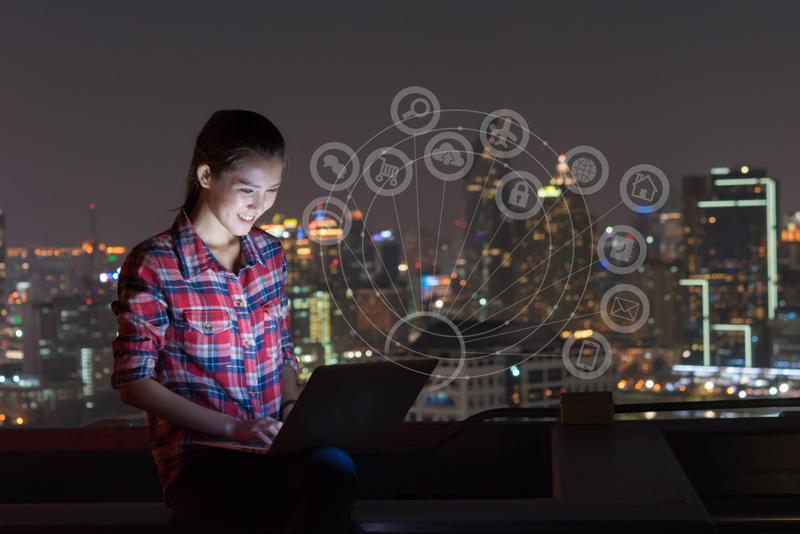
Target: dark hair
230	136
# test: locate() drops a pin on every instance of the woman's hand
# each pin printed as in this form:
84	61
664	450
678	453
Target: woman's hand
264	429
286	409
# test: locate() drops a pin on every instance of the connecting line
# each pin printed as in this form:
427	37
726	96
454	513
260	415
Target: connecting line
385	268
469	227
570	240
419	229
532	327
570	275
438	233
501	353
382	298
536	225
477	264
405	255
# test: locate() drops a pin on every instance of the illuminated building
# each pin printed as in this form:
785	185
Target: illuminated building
553	258
28	401
789	262
378	312
57	335
786	338
57	271
730	226
484	263
311	327
664	235
659	278
2	256
526	372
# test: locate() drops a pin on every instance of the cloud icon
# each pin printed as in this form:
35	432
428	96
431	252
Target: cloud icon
447	154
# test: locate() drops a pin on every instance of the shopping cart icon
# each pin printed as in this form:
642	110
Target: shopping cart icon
387	172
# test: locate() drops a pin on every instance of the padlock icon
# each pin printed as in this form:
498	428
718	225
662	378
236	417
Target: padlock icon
519	195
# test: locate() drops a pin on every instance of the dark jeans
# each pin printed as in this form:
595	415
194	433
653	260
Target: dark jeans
305	492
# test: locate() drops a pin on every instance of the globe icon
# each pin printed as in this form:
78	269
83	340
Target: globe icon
584	169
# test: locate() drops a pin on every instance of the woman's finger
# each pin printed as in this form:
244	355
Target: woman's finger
263	438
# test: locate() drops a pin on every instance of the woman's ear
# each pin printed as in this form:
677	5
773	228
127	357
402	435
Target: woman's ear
204	175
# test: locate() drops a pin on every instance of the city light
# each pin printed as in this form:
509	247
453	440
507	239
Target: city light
748	338
515	370
705	315
770	202
549	191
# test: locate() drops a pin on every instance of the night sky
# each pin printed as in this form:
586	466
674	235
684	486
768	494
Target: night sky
102	101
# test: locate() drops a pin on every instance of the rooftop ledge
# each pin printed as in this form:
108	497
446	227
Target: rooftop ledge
491	476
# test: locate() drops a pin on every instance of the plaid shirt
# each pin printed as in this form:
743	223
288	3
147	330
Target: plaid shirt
215	338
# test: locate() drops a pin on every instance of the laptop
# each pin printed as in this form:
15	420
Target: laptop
350	406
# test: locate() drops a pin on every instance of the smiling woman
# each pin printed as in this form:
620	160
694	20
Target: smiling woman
203	311
233	179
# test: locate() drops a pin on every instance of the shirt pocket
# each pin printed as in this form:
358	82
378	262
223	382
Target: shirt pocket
271	318
273	314
207	338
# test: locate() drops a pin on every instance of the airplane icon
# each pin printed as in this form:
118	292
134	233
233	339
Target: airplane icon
503	134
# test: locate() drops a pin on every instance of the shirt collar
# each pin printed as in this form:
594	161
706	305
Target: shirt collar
195	255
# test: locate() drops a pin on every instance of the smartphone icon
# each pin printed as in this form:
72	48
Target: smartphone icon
587	355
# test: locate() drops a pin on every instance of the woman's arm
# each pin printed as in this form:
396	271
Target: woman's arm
157	399
141	310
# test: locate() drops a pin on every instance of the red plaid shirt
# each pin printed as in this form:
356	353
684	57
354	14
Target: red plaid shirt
215	338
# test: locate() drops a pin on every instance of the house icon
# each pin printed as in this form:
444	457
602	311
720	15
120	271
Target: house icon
644	188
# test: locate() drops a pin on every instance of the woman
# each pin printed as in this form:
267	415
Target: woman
204	345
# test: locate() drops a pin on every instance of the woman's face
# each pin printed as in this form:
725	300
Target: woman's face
240	196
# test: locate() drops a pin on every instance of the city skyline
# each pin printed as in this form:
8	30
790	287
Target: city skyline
666	105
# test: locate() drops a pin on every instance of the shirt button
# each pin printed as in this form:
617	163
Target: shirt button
254	394
207	326
239	302
248	343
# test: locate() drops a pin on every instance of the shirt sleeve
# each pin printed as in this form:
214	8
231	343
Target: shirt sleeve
142	320
287	346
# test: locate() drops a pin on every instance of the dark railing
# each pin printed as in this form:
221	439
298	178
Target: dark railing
551	413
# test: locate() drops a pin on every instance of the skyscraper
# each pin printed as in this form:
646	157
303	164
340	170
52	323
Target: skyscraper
484	265
730	218
552	261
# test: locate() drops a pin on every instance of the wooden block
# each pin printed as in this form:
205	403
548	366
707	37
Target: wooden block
587	408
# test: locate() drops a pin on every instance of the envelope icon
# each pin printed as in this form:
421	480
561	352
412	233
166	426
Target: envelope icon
625	308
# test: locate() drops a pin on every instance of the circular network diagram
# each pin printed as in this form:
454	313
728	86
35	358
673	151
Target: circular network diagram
488	259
